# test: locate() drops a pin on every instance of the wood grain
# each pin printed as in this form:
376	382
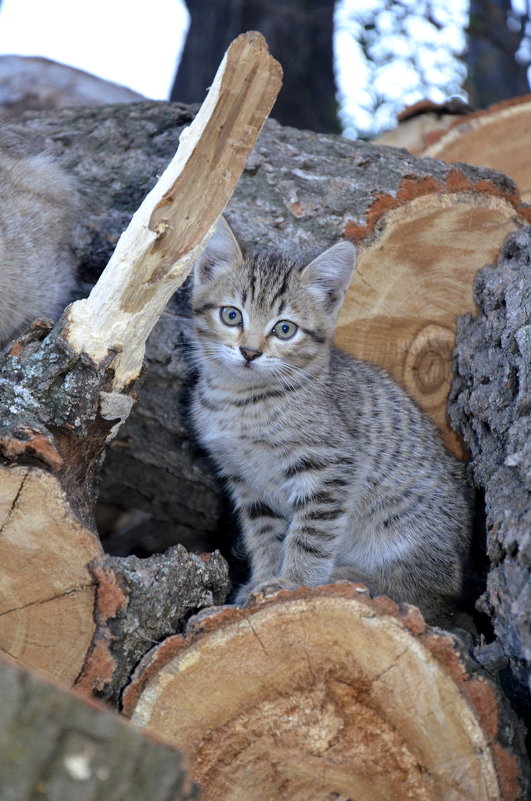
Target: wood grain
46	591
413	278
320	694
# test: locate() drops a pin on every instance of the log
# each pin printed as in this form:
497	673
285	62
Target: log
71	612
40	83
496	137
416	265
74	614
54	744
490	405
327	694
140	602
66	391
420	123
47	594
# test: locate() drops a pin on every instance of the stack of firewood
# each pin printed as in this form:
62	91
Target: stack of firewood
325	693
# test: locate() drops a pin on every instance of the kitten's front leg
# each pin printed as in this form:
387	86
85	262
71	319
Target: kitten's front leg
311	545
263	533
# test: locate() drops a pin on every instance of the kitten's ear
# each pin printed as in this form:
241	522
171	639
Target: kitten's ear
221	251
328	275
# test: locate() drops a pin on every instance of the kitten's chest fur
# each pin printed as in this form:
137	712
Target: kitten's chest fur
251	435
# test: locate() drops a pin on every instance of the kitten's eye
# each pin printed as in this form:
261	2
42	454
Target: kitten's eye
230	316
284	329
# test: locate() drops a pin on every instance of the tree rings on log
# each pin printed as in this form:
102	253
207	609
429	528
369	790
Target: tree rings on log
324	694
46	591
414	276
497	137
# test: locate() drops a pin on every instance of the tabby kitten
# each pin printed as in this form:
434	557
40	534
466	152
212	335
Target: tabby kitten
37	270
333	470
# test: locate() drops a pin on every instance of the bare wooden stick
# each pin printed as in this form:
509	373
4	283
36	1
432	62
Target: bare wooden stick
158	249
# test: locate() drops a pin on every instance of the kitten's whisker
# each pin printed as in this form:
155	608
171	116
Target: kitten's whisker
284	377
309	376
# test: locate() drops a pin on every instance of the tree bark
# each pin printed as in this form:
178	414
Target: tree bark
327	694
490	405
53	744
300	35
140	602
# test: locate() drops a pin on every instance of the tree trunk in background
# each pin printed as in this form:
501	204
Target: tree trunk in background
496	137
493	72
299	34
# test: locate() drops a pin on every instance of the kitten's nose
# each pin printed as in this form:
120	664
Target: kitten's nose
249	354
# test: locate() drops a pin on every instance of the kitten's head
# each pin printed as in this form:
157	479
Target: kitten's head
262	315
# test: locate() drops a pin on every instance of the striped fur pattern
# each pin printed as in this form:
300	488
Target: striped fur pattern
37	268
333	470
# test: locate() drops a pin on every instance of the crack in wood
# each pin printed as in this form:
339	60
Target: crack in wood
392	665
48	600
264	649
14	503
305	650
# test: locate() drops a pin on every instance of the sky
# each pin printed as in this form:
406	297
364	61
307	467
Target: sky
130	42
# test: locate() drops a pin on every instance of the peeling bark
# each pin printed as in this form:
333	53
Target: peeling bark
138	603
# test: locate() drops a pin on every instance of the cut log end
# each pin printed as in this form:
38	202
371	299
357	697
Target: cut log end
413	277
324	694
47	593
497	137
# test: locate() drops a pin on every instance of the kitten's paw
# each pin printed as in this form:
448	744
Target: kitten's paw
262	588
